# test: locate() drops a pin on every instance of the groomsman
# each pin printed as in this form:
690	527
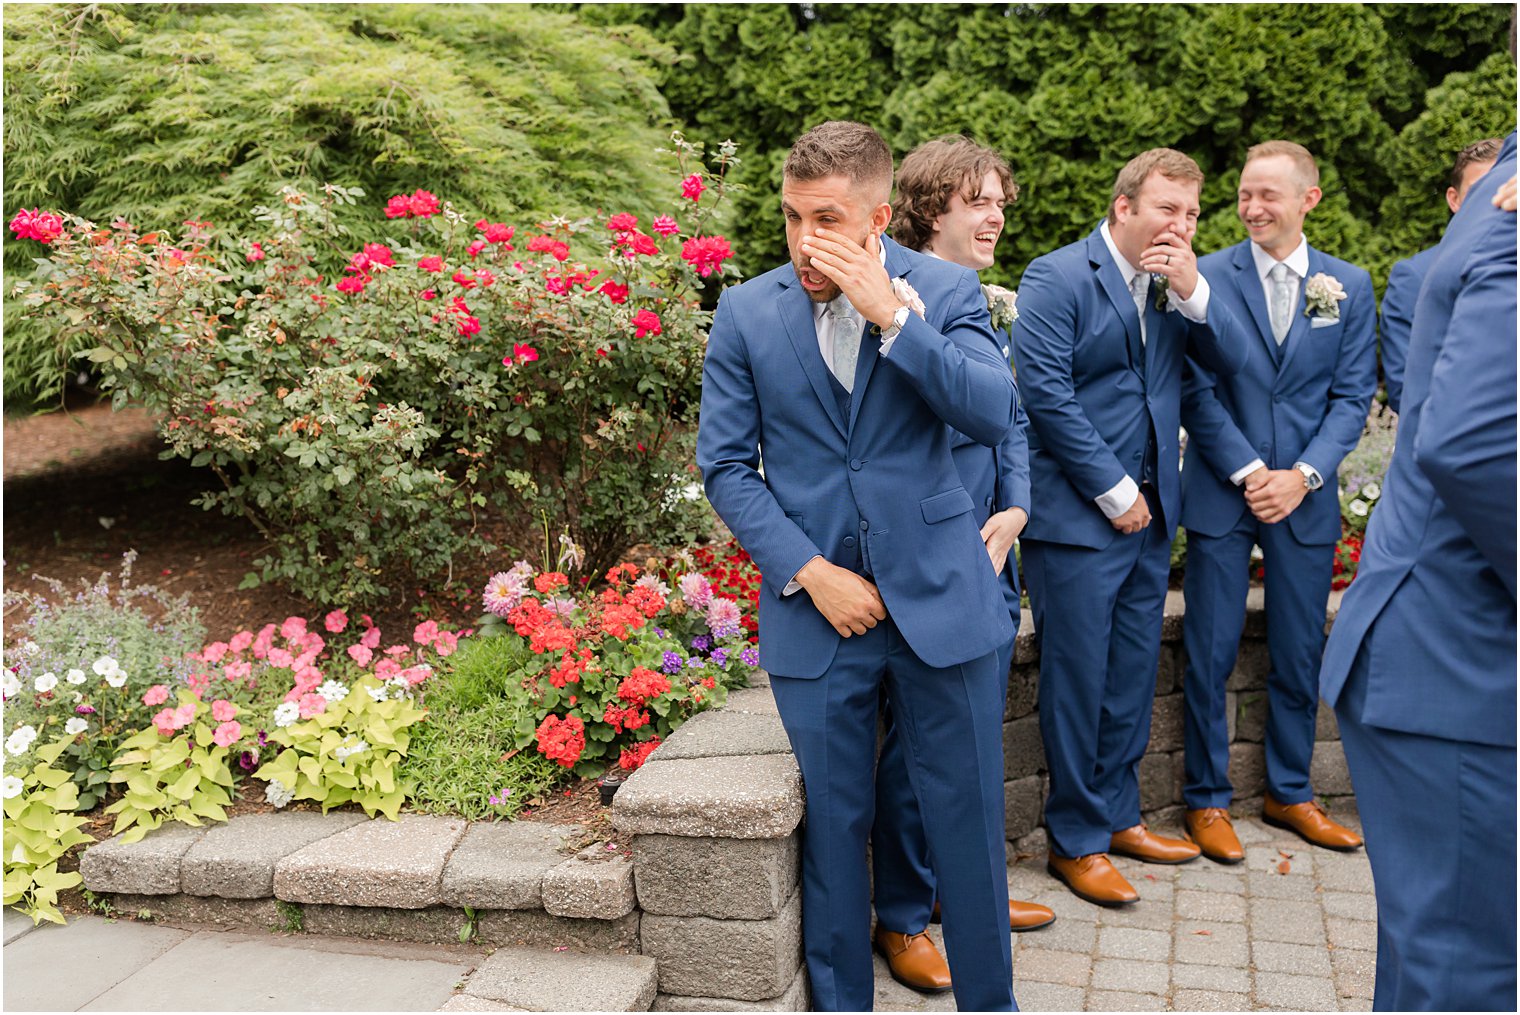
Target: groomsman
846	368
1263	449
951	194
1099	343
1408	275
1420	666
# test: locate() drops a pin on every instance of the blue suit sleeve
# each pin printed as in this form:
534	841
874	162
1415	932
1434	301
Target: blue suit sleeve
956	371
1044	345
1218	343
728	453
1398	315
1013	465
1211	430
1466	441
1352	387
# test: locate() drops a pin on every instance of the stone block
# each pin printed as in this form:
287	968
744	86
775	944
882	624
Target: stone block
749	960
1134	943
724	733
751	701
1251	665
1256	613
1169	668
1035	843
1166	724
1167	820
431	925
237	860
595	884
795	998
149	866
726	879
1204	943
1248	769
1023	805
534	928
1171	616
395	864
1326	726
1159	785
1023	691
1187	999
1298	993
1328	773
1027	648
175	910
1278	957
467	1002
501	865
1231	710
1023	750
1251	716
736	798
1288	920
1131	975
565	981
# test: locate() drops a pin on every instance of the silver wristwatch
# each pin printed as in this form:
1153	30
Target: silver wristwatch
1312	480
898	320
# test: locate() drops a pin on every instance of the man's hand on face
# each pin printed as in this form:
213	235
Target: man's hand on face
1171	255
857	271
1504	198
846	600
1000	532
1273	494
1136	518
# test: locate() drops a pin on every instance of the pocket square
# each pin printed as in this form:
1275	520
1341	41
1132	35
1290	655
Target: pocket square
1323	322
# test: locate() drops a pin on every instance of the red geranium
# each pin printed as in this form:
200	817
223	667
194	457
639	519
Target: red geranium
562	740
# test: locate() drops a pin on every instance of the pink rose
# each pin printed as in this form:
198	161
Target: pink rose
156	695
360	654
336	621
666	226
227	734
692	187
223	710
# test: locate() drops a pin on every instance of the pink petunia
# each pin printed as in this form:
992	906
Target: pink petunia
336	621
281	658
240	641
263	641
360	654
371	638
156	695
416	674
223	710
213	653
185	714
386	668
312	705
445	643
425	632
237	670
164	722
227	734
293	628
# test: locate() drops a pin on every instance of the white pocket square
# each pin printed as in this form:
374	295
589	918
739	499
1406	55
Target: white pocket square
1323	322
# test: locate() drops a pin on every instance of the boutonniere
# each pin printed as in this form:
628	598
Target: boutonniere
1322	296
1002	305
905	292
1163	287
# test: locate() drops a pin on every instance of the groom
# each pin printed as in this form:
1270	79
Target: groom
875	575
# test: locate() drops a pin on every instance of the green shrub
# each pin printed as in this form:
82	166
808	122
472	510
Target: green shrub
183	777
39	830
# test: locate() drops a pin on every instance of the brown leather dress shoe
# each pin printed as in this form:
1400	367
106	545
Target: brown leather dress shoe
1310	821
1022	916
913	961
1210	829
1092	878
1143	844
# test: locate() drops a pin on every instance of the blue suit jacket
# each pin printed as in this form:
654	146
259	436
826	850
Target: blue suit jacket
1310	408
886	475
1437	573
1399	298
1092	404
999	479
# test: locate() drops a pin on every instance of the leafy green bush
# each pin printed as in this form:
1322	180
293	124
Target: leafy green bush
184	777
449	378
39	830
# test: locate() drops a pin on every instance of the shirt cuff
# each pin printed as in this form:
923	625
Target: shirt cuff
1196	307
1312	469
886	343
1119	499
1239	475
792	586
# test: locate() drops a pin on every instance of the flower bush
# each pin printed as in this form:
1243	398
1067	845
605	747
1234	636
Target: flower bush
39	830
173	777
610	673
377	418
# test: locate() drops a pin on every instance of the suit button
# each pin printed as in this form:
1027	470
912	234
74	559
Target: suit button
988	502
1262	449
849	542
1276	399
855	464
1139	455
863	525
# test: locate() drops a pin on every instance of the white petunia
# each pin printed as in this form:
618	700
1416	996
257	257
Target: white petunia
1358	508
45	683
334	691
74	676
344	753
104	666
116	678
1372	491
20	740
286	714
277	794
75	726
10	686
378	693
10	787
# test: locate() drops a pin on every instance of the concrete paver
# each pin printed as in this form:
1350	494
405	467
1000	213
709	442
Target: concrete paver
96	953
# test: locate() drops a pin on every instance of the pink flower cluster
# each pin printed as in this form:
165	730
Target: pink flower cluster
35	224
706	254
420	205
373	257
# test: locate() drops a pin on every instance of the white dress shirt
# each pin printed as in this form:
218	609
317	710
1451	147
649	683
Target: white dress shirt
1123	494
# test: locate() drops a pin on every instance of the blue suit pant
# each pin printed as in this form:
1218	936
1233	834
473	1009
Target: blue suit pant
1439	820
950	721
1215	585
1098	617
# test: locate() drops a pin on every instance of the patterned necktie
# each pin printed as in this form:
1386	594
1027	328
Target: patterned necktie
1140	289
846	342
1282	301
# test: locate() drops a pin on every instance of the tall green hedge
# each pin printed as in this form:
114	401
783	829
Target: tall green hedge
165	112
1383	94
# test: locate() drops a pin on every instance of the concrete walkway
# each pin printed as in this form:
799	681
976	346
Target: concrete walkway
1204	937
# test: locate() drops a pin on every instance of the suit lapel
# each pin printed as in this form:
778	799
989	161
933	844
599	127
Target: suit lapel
1117	292
1300	324
797	316
898	266
1255	296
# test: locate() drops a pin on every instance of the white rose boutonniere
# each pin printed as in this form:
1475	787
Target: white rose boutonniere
1322	296
905	292
1002	304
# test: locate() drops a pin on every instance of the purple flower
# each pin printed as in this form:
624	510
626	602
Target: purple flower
701	643
248	761
659	632
263	738
750	657
723	617
671	662
84	710
695	663
720	657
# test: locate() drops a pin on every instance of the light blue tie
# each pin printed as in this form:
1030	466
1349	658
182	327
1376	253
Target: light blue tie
1140	288
846	342
1282	301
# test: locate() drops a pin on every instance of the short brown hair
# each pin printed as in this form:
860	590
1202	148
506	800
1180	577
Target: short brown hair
931	173
1486	150
1308	169
841	148
1169	162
